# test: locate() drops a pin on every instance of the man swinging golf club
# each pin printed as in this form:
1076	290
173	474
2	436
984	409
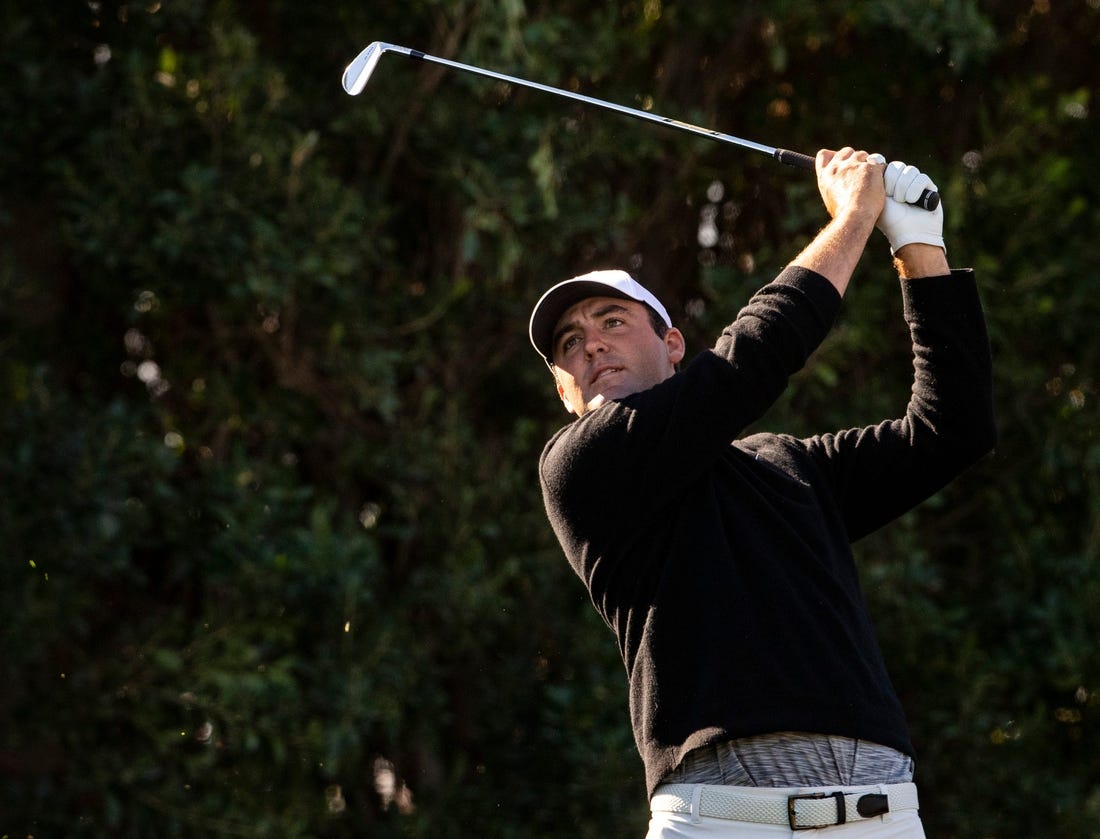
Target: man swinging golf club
759	699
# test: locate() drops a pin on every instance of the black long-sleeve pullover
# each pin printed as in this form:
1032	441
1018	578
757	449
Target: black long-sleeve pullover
724	565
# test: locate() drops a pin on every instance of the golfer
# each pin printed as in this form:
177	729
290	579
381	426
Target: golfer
759	699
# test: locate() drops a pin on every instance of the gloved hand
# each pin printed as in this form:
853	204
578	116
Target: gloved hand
902	222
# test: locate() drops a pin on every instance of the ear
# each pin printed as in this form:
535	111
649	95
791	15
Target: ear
564	400
676	345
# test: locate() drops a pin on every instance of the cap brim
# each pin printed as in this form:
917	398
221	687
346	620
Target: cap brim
556	302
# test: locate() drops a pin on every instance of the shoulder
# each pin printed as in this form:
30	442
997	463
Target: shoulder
584	438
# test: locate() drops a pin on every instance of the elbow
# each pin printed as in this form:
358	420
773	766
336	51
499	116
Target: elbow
982	437
978	429
985	444
992	436
966	439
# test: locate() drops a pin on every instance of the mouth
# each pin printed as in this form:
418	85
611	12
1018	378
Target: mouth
602	372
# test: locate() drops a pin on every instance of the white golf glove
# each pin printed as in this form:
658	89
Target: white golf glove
904	223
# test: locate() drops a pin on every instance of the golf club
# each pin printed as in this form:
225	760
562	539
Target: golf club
358	72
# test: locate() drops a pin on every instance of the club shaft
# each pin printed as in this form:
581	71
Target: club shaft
357	72
600	103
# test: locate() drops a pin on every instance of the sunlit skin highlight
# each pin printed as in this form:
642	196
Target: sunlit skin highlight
606	348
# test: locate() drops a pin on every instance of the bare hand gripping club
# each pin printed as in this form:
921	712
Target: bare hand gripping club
359	71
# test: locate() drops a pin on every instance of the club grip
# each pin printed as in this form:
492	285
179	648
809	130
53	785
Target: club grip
794	158
928	200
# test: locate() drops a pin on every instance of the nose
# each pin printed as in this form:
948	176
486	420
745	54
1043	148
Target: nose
594	343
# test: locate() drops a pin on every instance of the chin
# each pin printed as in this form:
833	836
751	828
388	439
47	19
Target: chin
616	391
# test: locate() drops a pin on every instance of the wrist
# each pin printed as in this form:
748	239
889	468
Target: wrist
921	260
855	221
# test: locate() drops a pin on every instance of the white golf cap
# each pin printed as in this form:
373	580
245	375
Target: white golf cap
557	300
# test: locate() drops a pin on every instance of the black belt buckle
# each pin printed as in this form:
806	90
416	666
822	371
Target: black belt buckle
841	809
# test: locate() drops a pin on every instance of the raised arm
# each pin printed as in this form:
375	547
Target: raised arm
853	189
880	471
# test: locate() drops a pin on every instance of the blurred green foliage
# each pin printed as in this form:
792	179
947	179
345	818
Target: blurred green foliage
274	558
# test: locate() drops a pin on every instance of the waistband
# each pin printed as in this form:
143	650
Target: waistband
799	808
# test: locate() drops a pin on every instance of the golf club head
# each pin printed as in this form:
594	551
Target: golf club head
358	72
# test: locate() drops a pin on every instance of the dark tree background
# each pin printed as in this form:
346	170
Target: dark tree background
274	561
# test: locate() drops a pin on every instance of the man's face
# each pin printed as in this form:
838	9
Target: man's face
604	346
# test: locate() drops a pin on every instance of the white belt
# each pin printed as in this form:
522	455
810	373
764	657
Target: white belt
800	810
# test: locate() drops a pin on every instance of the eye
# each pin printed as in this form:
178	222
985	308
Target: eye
613	322
569	342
